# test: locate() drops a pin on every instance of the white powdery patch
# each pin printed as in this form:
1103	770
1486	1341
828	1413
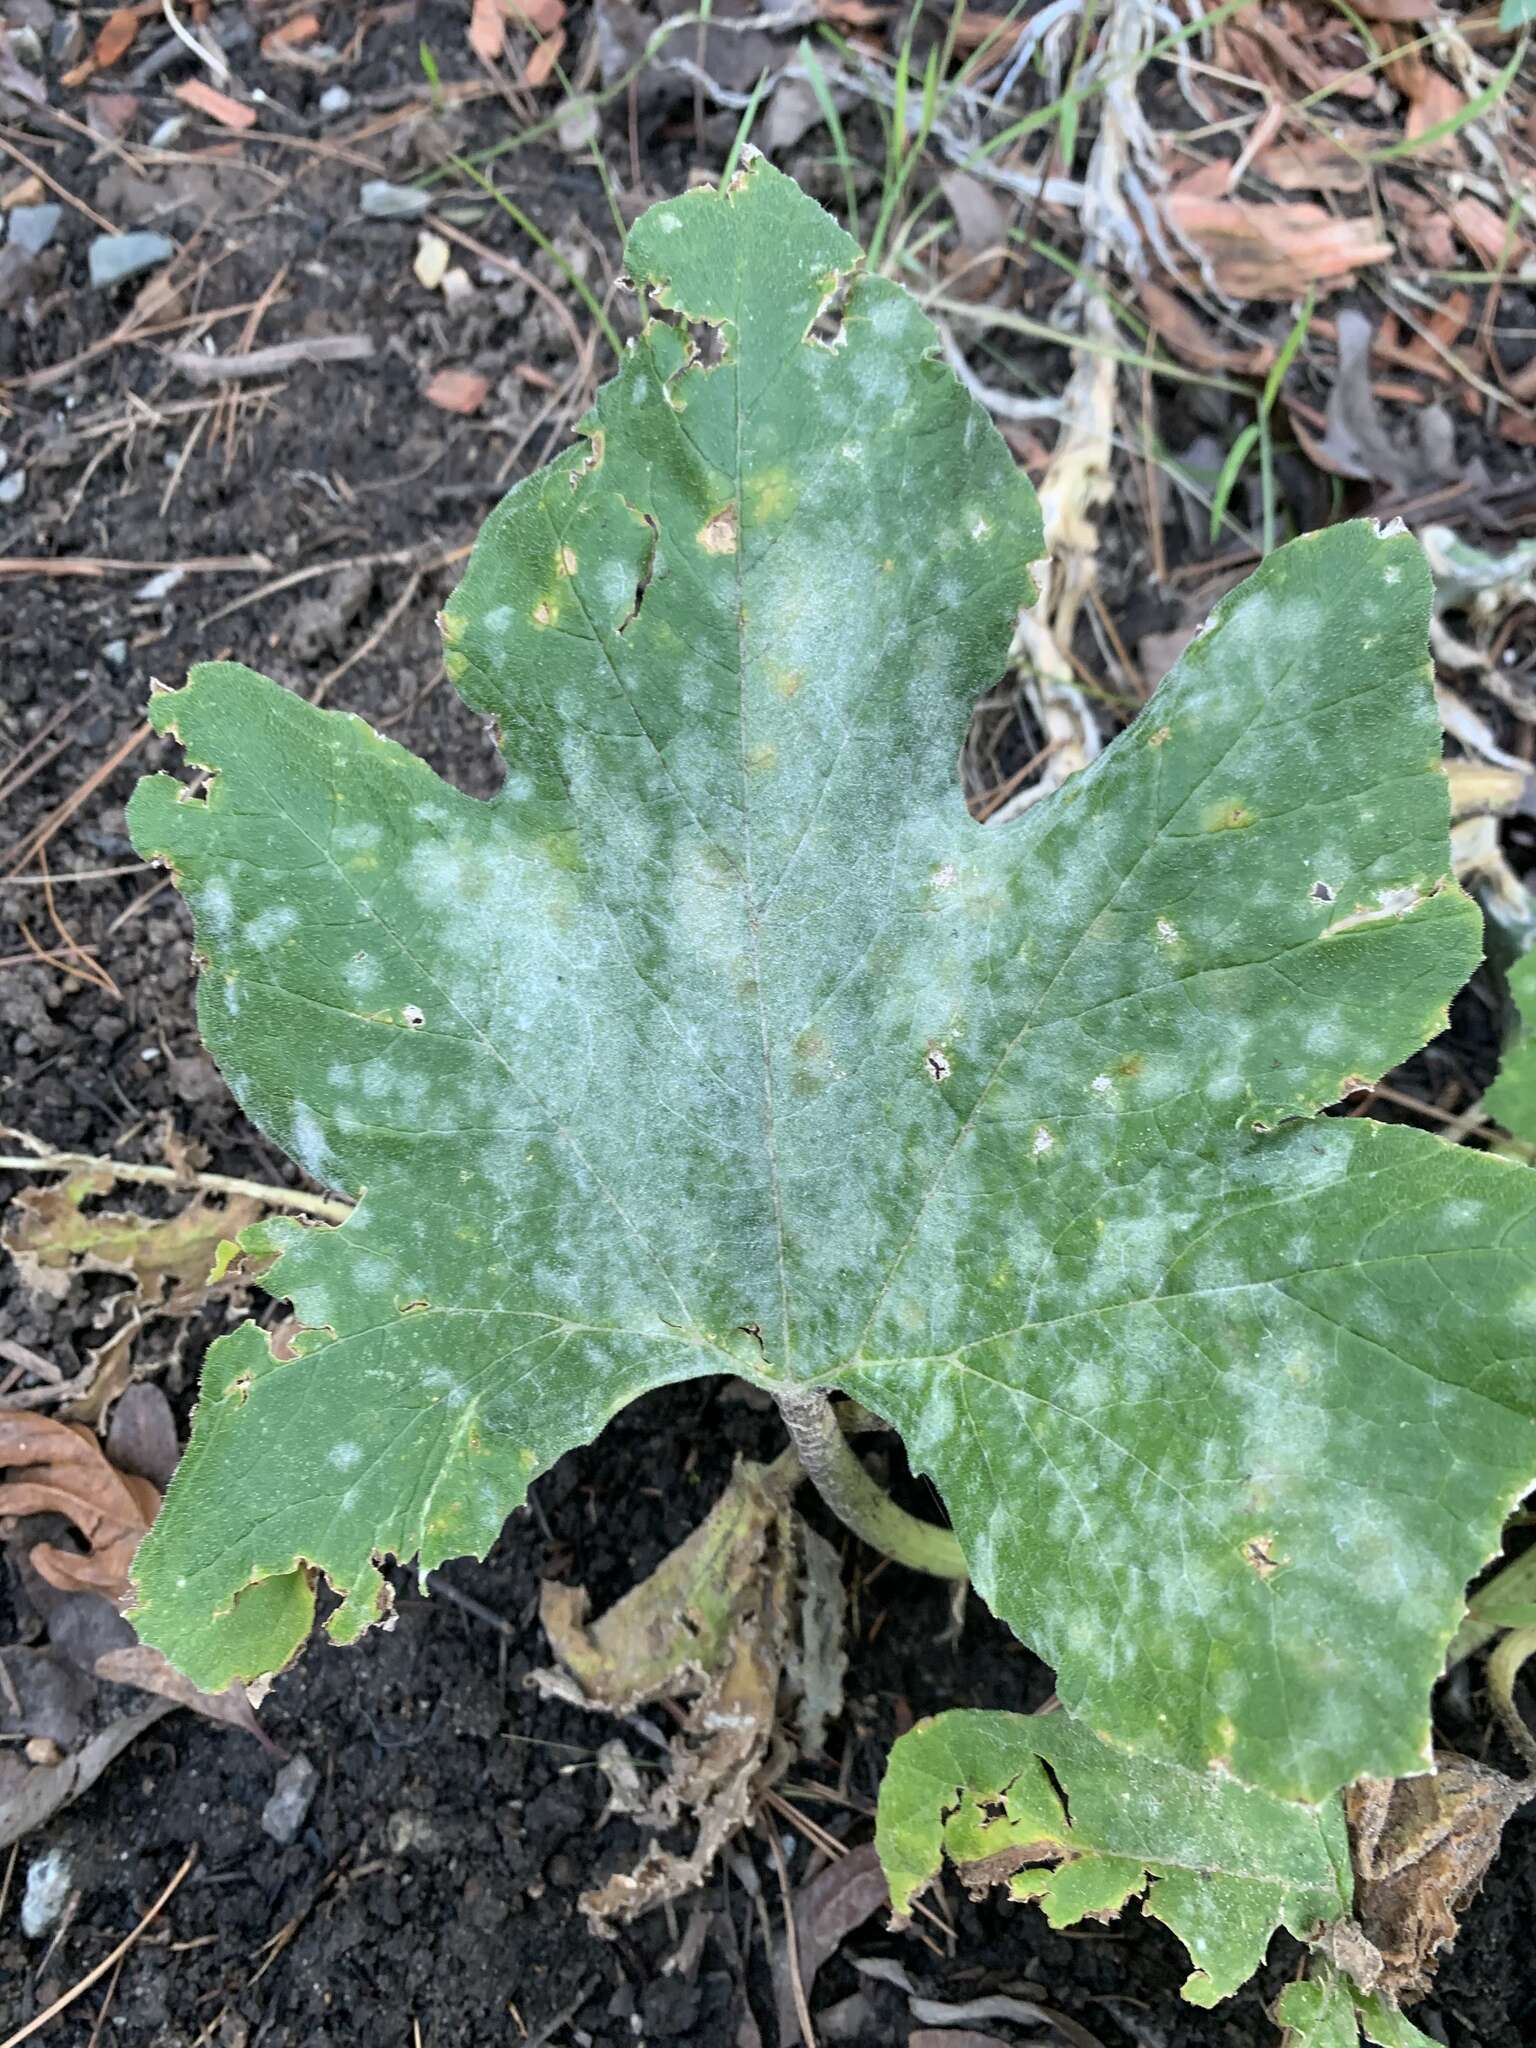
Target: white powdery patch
357	838
216	907
309	1145
345	1457
270	925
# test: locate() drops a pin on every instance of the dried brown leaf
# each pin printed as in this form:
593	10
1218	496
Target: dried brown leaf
69	1475
54	1237
1421	1847
725	1623
31	1794
827	1910
1270	251
140	1666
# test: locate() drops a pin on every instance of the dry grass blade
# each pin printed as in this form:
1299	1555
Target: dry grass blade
29	848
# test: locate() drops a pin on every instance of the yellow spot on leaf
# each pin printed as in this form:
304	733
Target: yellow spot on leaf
771	496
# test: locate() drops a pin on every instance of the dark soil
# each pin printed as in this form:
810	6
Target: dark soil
431	1895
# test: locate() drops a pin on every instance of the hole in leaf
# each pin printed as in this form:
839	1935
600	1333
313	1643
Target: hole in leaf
706	344
827	329
1007	750
1059	1789
647	570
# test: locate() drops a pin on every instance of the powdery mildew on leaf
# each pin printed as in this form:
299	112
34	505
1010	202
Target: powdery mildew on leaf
725	1040
1037	1803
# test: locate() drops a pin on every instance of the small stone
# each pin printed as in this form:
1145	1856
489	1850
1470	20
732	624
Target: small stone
285	1812
115	653
382	201
12	486
42	1749
115	257
577	126
431	265
335	100
457	286
405	1830
33	227
47	1889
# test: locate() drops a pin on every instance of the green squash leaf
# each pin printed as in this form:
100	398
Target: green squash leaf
1038	1803
1318	2012
1511	1100
724	1040
1325	2010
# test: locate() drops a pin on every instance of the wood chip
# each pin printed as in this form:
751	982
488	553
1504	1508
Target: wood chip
542	16
487	30
290	35
546	56
463	391
1193	343
116	37
218	106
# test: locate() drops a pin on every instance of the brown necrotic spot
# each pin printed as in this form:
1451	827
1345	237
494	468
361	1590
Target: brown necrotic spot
1259	1552
720	535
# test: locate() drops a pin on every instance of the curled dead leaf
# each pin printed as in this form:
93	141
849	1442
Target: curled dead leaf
55	1237
68	1474
1421	1847
827	1910
743	1618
